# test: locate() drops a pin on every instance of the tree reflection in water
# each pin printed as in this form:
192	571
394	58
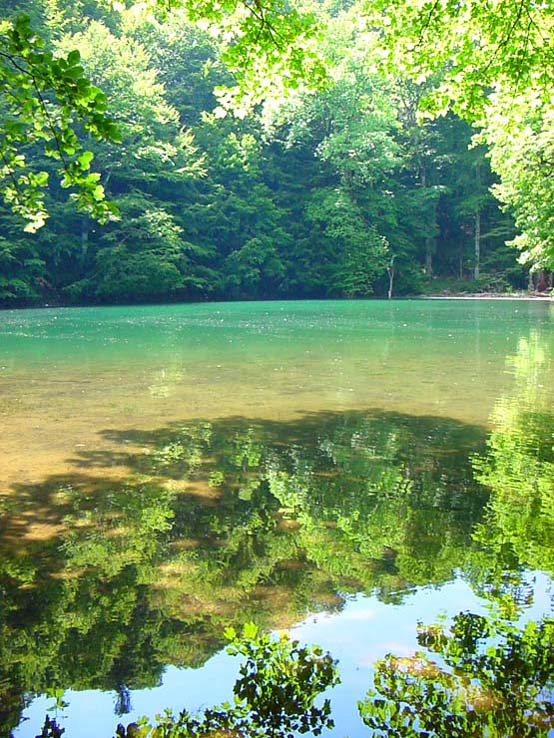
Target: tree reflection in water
228	521
219	523
484	677
491	676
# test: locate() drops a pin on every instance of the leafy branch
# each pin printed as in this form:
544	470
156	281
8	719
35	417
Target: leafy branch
48	101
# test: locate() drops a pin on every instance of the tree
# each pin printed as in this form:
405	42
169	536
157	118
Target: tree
352	253
144	255
520	134
315	196
47	100
481	61
467	49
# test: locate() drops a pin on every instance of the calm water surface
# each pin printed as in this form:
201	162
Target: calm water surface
342	468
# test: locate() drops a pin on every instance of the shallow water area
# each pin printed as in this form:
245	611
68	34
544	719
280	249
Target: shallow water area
170	470
68	375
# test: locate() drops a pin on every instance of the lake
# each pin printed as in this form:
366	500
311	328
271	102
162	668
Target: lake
341	469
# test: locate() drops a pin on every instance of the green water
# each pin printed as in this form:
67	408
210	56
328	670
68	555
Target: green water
169	470
66	376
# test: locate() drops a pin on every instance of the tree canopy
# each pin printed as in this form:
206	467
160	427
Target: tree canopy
469	48
259	150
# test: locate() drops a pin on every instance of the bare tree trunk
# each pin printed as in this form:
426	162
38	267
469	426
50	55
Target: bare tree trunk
429	248
84	238
390	270
477	244
429	240
542	281
477	240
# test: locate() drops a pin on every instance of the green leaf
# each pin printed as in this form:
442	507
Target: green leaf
250	630
85	159
74	57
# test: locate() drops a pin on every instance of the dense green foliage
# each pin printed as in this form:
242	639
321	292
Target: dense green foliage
493	64
494	679
342	192
46	100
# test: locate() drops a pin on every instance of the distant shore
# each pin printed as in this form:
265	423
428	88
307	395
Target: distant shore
490	296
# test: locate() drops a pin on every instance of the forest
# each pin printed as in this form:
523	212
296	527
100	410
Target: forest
228	168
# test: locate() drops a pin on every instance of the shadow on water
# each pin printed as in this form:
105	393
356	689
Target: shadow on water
217	523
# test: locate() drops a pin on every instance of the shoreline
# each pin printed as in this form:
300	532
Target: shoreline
536	296
541	297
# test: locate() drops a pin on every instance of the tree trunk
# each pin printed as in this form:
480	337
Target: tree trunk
84	238
429	248
430	240
542	281
477	244
477	240
390	270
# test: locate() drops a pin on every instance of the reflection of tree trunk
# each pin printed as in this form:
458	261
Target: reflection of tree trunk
123	700
477	244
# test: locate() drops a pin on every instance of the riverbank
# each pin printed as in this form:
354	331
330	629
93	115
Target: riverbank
490	296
